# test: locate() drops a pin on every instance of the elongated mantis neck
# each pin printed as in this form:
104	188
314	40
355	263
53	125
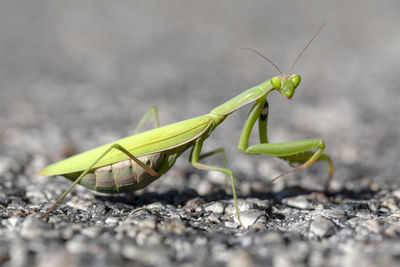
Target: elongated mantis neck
244	98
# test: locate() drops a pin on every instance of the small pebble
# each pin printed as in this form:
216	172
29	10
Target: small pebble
250	217
149	223
242	205
322	227
299	202
194	203
204	187
13	220
271	238
392	230
241	258
111	220
156	205
372	225
156	256
231	224
213	218
148	237
176	225
215	207
391	204
396	193
334	213
93	231
33	227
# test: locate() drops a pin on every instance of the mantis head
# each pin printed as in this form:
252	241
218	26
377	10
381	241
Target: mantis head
286	84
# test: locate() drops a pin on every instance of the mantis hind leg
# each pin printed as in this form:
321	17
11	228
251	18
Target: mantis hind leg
216	151
224	159
195	157
77	181
153	110
292	151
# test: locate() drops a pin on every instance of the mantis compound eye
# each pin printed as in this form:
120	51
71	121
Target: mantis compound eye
276	82
296	80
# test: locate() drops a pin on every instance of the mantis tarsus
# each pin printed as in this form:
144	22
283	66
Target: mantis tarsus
134	162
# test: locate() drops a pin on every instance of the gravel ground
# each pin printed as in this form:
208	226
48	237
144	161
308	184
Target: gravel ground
74	76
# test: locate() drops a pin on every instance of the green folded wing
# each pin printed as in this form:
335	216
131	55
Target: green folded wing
157	139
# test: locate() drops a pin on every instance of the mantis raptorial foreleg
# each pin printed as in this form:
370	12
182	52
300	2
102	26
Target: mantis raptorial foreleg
292	151
153	110
302	158
195	157
78	180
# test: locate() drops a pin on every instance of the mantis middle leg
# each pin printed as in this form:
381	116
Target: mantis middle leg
153	110
195	157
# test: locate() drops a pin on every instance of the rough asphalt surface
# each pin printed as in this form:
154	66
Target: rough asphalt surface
74	76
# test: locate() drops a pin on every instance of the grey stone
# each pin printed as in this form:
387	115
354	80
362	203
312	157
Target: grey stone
175	225
213	218
299	202
322	227
243	205
241	258
93	231
154	256
148	223
251	217
111	220
148	237
33	227
216	207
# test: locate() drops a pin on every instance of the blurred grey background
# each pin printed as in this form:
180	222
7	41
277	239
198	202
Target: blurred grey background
77	74
83	73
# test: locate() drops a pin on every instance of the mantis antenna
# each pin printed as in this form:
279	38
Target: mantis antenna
307	45
298	57
261	55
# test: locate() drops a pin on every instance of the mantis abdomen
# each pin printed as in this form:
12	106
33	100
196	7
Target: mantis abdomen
123	176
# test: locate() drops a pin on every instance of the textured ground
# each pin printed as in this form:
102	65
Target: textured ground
76	76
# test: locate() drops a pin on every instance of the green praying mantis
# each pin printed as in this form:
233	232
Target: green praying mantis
132	163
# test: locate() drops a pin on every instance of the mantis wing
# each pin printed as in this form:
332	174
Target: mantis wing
149	142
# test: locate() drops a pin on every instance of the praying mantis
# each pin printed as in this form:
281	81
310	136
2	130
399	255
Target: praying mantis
132	163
